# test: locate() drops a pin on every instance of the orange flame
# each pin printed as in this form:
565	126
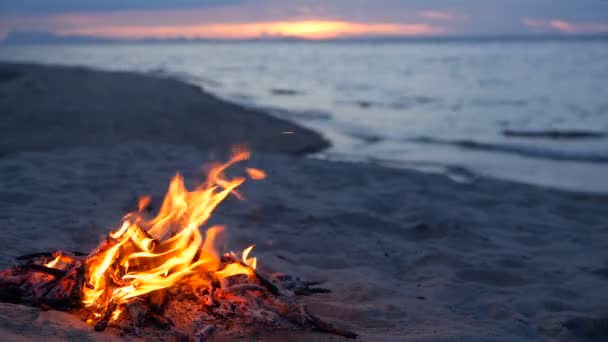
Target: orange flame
256	174
148	255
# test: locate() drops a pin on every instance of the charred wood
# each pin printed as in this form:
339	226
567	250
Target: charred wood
103	323
205	333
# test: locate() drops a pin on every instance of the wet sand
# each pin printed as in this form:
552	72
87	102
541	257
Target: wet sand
409	256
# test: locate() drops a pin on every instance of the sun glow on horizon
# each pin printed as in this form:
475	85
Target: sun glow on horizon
306	29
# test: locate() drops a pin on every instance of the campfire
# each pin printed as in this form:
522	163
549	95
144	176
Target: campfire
162	273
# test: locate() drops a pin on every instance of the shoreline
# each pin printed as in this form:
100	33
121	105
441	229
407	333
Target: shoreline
59	106
551	167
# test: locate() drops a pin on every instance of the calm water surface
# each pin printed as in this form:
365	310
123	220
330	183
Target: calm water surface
437	107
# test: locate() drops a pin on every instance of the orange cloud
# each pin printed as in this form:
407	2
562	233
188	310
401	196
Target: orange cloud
565	26
201	24
303	29
215	23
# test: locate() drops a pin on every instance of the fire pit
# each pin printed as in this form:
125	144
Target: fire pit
163	274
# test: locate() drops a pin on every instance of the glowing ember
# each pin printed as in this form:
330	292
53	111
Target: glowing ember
149	255
256	174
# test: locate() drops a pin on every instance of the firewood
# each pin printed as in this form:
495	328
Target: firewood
11	294
205	333
160	321
245	287
116	281
81	271
138	311
41	268
104	246
34	256
320	325
178	336
297	286
158	301
50	255
265	282
142	238
103	323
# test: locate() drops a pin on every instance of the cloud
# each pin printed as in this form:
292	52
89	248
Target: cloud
454	17
562	26
301	29
58	6
218	22
442	15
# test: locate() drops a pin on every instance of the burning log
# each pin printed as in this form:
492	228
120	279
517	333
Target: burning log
41	268
245	287
152	271
158	301
160	321
265	282
103	323
137	311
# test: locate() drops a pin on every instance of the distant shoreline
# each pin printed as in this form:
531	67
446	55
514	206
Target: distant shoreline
27	38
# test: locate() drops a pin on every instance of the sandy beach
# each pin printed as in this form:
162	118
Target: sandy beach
408	256
70	106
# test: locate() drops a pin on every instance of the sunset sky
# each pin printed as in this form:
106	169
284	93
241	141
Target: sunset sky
312	19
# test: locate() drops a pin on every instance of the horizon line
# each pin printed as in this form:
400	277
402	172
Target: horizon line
37	37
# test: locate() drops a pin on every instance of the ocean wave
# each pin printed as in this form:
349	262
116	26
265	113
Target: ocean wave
526	151
285	92
396	104
555	134
305	114
499	103
458	174
367	137
183	76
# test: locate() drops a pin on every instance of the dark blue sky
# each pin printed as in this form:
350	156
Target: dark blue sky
408	17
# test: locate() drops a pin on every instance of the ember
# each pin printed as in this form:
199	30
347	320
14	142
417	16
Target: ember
157	272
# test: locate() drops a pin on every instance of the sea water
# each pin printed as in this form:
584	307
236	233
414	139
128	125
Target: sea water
533	111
